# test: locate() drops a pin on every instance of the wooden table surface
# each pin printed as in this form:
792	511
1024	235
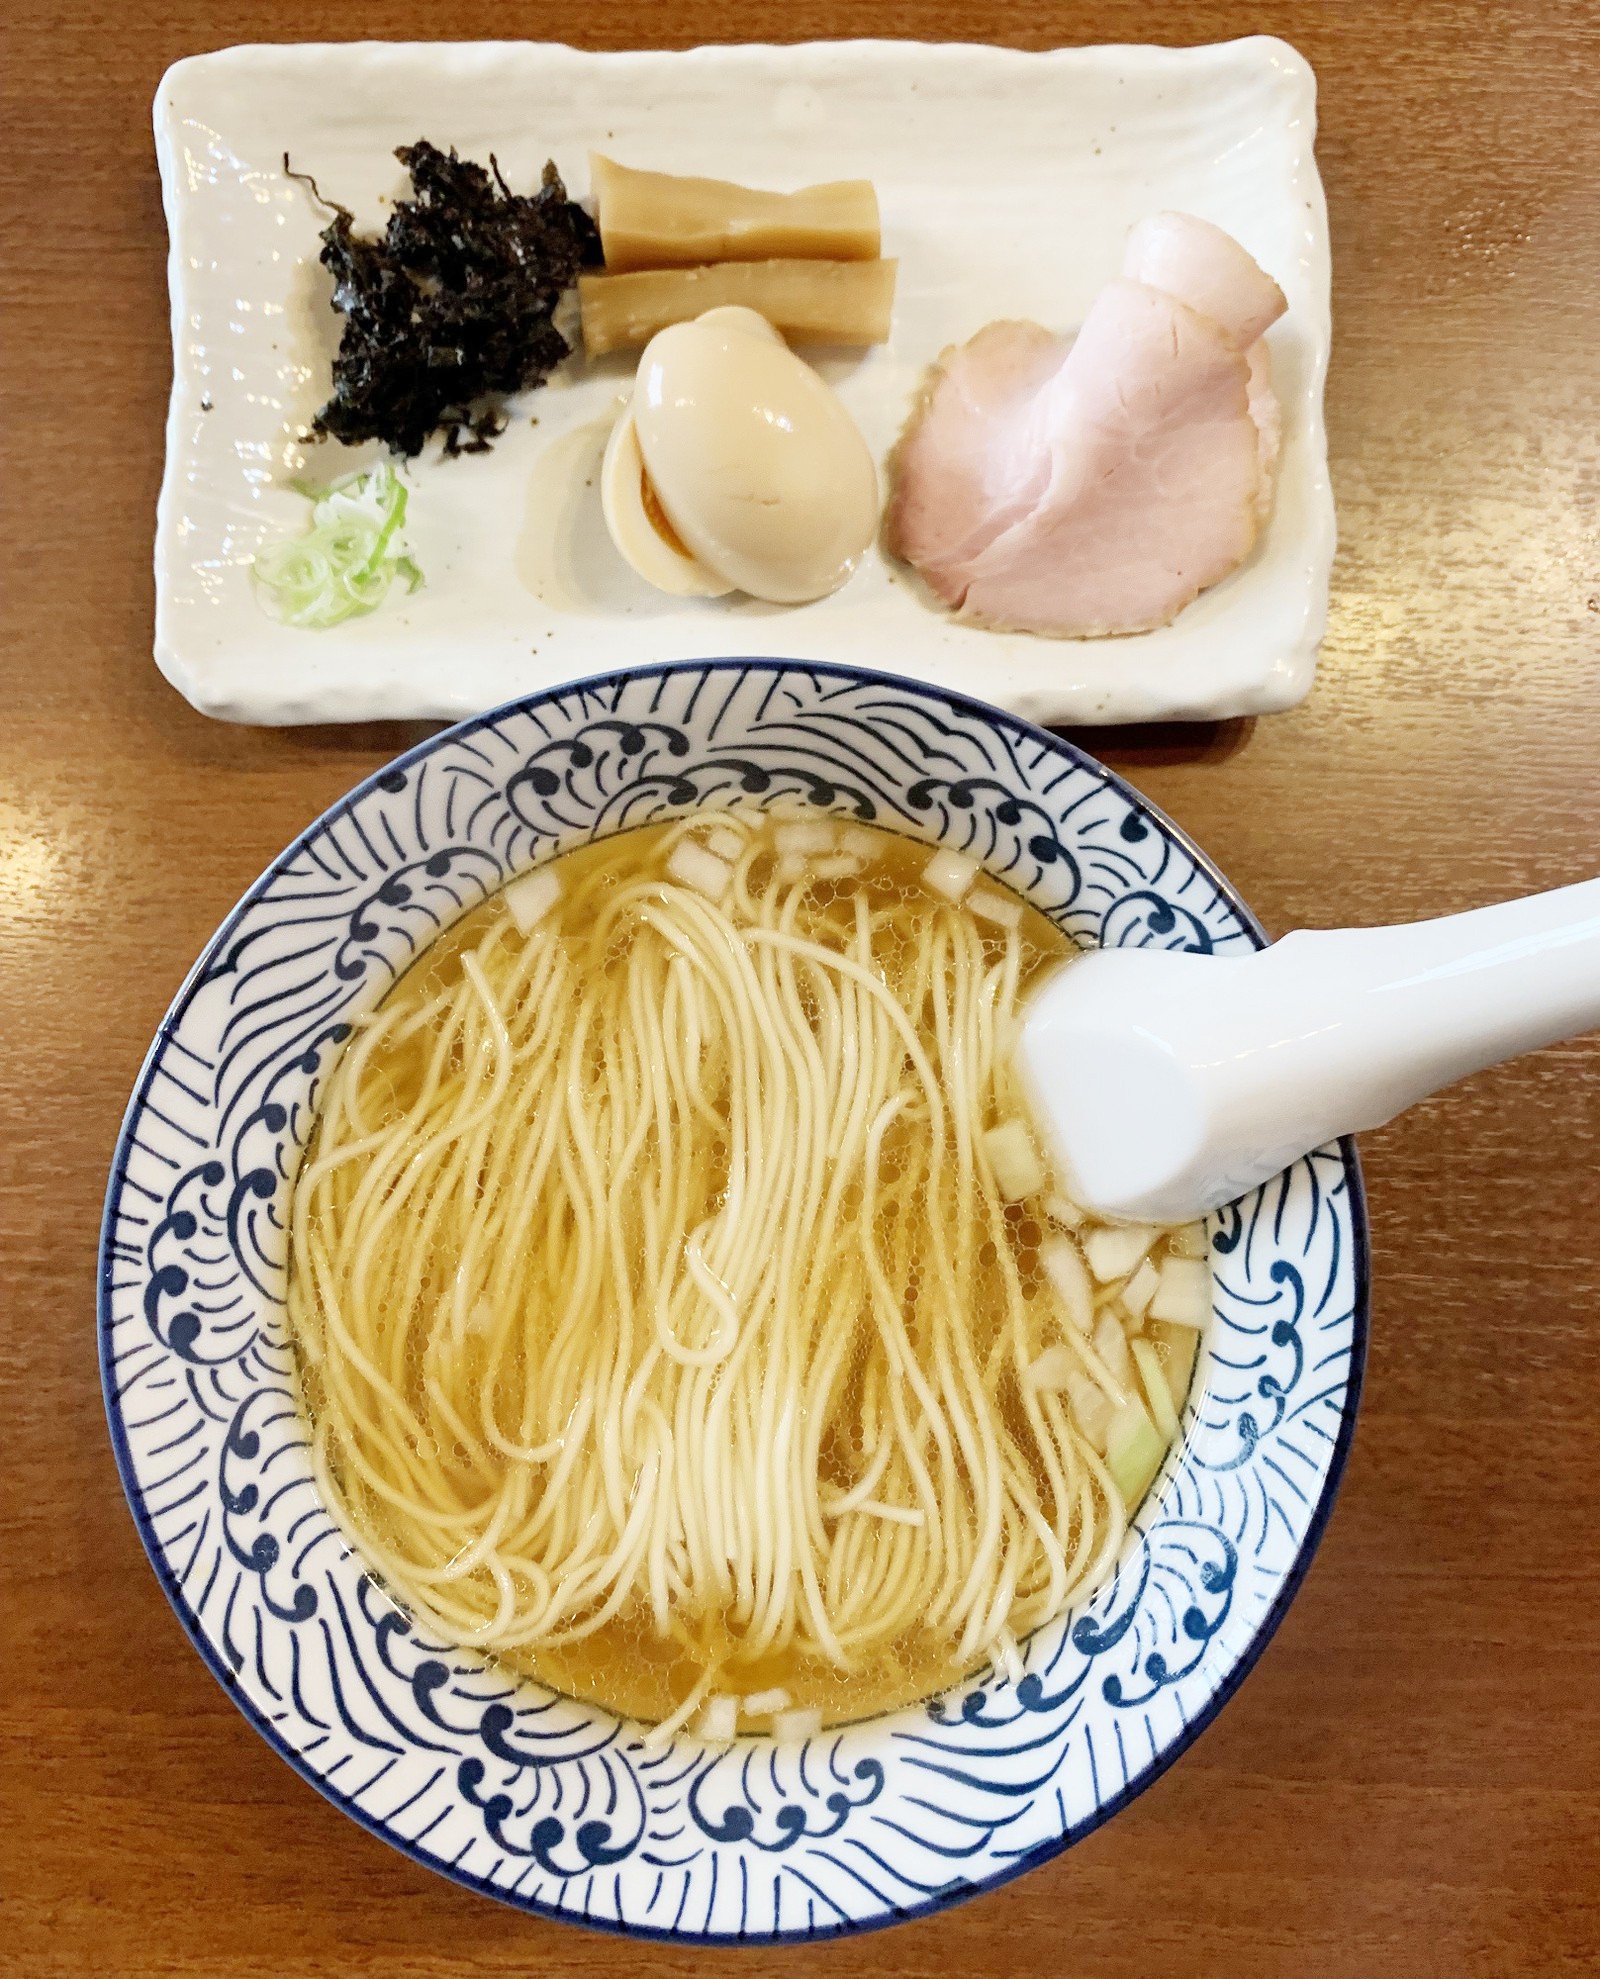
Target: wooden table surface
1407	1784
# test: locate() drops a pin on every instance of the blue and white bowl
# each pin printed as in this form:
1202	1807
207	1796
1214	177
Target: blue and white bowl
514	1790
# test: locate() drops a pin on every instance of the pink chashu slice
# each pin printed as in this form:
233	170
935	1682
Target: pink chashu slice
1098	485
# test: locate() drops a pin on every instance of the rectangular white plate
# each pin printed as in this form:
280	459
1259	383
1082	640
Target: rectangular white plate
1007	182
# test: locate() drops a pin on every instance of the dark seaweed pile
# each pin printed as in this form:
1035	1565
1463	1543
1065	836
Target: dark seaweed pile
450	310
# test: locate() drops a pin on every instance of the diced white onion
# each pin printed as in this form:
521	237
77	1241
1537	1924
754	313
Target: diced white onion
1153	1375
860	842
793	866
949	873
727	841
1134	1449
1111	1344
837	866
718	1722
1141	1289
762	1703
1183	1349
810	835
698	868
1059	1210
1065	1269
1004	909
1191	1240
1184	1294
1090	1409
1014	1159
796	1724
1112	1386
1114	1251
1054	1369
530	897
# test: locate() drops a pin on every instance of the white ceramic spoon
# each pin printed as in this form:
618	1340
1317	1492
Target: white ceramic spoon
1171	1083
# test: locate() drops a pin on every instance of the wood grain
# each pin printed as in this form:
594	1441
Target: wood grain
1407	1784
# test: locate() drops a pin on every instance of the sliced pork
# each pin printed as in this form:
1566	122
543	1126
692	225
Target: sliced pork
1099	485
1207	269
973	463
1268	416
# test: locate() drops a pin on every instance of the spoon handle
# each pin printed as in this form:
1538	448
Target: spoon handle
1376	1018
1169	1083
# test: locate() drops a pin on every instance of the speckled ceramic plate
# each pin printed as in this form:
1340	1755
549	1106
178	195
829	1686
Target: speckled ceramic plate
1007	184
528	1796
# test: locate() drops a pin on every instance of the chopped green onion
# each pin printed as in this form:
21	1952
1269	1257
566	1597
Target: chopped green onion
346	561
1134	1450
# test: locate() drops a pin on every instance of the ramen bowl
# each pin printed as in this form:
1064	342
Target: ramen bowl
513	1789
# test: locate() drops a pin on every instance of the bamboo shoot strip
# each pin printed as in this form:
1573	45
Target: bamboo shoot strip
811	302
662	220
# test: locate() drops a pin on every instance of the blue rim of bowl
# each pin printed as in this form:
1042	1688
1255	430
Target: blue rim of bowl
966	705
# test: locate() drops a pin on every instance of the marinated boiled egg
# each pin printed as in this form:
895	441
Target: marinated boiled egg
735	467
638	526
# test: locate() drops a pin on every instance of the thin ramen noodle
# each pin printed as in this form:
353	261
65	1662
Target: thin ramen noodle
684	1307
